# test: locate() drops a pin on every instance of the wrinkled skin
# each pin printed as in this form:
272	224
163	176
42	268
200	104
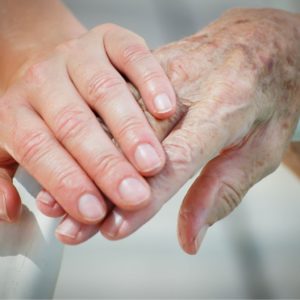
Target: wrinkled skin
238	88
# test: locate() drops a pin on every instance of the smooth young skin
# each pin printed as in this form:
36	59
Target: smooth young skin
55	76
238	88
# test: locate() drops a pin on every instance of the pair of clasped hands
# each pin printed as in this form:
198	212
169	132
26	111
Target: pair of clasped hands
112	130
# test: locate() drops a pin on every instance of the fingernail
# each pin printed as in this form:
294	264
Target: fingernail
113	225
133	191
162	103
200	236
45	198
69	228
3	209
91	208
147	158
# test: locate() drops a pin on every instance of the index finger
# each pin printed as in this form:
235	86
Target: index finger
129	54
190	146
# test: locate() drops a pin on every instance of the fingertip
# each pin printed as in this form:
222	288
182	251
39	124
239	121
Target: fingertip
10	202
191	240
134	193
114	227
48	205
55	211
149	158
164	106
71	232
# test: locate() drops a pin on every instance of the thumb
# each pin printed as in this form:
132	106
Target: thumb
220	188
10	203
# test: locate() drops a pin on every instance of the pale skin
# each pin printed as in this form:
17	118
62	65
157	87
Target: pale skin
238	92
238	96
55	75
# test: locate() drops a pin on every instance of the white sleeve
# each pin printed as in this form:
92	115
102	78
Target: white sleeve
30	255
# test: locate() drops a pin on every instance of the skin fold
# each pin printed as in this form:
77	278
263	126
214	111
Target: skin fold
238	95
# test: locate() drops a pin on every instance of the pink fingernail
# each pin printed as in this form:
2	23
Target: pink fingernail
147	158
3	208
133	191
45	198
162	103
91	208
113	225
200	236
69	228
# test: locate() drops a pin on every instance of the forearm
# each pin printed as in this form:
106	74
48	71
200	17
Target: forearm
28	27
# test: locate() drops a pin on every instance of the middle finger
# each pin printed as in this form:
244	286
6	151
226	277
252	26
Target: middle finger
77	128
107	93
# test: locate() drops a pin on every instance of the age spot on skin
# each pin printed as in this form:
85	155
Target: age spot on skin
285	125
289	85
290	60
267	63
260	163
277	45
242	21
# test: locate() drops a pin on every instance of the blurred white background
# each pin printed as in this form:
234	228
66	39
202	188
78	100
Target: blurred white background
254	253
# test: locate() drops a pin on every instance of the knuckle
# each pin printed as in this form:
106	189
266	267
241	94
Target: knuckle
31	146
101	85
233	90
129	127
67	46
69	123
68	180
181	68
151	76
134	53
231	196
105	27
180	154
106	164
36	74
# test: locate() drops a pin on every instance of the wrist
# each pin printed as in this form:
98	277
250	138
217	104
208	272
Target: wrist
30	28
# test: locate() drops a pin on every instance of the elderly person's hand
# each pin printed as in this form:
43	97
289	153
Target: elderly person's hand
56	79
238	88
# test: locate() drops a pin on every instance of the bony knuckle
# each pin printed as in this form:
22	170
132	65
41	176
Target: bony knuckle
106	164
37	74
233	90
129	127
69	123
180	154
105	27
67	46
181	68
101	85
135	53
68	180
152	76
31	146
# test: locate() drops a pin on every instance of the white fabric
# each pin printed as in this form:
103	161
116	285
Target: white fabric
30	256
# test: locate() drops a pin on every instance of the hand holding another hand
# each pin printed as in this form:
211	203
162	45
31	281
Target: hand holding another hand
238	88
49	126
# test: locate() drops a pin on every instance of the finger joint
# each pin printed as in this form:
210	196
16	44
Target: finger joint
102	85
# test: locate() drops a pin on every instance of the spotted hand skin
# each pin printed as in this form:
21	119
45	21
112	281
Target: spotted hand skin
238	94
238	82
